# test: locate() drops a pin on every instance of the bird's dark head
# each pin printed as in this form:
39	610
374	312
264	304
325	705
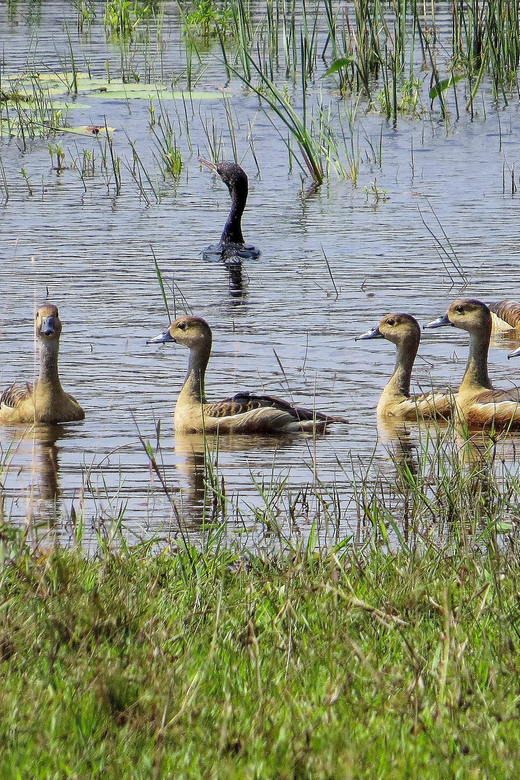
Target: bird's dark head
231	174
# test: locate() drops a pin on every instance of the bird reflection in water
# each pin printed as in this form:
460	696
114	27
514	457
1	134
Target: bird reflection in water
237	283
37	478
445	478
199	465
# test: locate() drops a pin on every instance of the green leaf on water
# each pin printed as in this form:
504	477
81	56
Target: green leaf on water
443	85
338	64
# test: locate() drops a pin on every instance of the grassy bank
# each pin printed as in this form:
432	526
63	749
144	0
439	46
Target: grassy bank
362	662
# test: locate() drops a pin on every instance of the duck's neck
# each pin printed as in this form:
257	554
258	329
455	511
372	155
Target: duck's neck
232	232
476	374
399	384
49	364
193	388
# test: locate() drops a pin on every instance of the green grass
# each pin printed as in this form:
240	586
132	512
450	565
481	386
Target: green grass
363	662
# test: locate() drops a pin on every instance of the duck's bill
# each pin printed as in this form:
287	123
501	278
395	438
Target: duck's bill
161	338
439	322
47	326
373	333
514	353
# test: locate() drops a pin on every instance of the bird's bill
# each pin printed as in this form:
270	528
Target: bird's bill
373	333
47	326
439	322
161	338
211	165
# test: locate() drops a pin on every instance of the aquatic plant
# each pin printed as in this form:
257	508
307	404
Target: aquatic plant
169	155
208	19
310	148
122	17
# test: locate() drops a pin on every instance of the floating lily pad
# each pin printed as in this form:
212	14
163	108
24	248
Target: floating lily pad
72	106
94	130
116	90
55	84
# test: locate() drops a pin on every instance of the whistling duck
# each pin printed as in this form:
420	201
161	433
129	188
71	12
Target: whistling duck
45	401
243	413
477	402
231	247
403	330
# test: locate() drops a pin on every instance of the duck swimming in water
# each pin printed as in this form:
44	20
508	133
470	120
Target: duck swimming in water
45	401
244	413
231	247
403	330
477	402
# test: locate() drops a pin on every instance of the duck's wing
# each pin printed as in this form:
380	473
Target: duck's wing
505	315
497	397
493	407
434	404
14	395
247	402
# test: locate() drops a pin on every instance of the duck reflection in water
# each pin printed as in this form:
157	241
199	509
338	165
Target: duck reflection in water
200	462
38	450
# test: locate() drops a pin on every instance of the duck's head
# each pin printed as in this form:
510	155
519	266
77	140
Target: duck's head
192	332
467	314
48	323
231	174
397	328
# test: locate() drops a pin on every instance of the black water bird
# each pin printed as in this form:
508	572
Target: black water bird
231	247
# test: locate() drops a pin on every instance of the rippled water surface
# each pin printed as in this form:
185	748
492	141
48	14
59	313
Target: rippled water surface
332	263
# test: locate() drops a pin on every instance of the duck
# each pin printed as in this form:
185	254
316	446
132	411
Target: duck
243	413
231	247
45	401
477	402
505	315
404	331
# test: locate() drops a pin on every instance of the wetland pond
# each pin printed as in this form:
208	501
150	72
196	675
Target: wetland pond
411	213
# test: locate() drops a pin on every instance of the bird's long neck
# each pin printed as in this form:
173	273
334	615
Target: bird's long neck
399	384
49	364
232	232
193	388
476	374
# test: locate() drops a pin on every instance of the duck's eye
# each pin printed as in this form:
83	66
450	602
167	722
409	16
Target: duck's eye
459	309
390	322
182	326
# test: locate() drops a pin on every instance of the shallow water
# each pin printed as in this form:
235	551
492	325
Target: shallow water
91	252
